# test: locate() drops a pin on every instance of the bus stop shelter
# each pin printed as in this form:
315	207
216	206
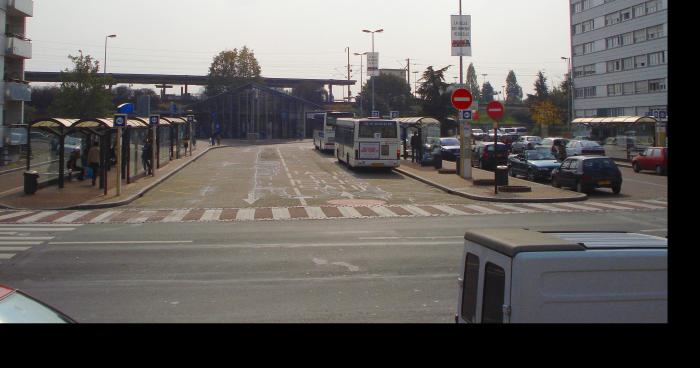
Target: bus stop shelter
426	127
622	137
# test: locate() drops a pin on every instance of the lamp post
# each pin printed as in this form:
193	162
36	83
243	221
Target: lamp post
570	103
106	38
373	32
415	84
362	110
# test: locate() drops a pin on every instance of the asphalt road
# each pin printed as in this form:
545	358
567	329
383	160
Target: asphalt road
359	271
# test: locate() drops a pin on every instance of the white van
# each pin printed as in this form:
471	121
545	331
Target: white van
524	276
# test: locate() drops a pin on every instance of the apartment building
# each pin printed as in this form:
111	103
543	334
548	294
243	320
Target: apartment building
16	48
620	58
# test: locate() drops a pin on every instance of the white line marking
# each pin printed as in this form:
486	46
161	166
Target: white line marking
176	216
579	207
13	215
72	217
40	225
37	217
142	217
246	214
103	217
638	204
610	206
514	208
315	213
211	215
281	214
39	229
413	237
6	256
8	233
301	198
653	230
548	208
123	242
22	238
450	210
20	243
383	211
14	249
656	202
482	209
416	211
349	212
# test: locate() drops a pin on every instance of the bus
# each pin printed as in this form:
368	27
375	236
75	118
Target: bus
368	143
323	125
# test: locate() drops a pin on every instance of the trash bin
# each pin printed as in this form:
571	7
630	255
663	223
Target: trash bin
501	175
31	182
437	161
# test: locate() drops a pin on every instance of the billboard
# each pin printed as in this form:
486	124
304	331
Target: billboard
373	64
461	35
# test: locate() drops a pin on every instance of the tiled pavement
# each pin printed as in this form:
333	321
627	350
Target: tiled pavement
314	212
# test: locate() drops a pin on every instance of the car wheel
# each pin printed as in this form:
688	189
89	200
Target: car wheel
530	175
581	188
636	168
617	189
348	162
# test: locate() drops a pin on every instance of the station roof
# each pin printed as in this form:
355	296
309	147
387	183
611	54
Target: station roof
615	120
53	123
173	120
107	123
418	121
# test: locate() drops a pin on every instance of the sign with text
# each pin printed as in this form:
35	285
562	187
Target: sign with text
369	151
373	64
461	35
495	110
462	99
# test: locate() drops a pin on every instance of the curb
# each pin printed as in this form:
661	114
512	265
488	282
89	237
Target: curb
578	198
125	201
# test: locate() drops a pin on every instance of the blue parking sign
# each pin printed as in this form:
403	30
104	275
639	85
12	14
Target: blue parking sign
120	120
465	114
154	120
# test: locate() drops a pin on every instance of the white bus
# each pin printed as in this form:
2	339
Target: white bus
368	143
323	125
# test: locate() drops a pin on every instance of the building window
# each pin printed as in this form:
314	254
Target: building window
655	32
626	14
614	89
628	63
588	48
627	39
578	50
656	58
589	69
614	66
589	92
587	26
611	19
578	7
653	6
578	71
640	35
657	85
628	88
640	61
641	87
639	10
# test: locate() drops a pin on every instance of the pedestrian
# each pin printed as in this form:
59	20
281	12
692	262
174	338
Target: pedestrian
73	165
94	161
146	157
415	145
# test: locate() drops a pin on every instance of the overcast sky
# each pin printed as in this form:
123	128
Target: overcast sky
303	38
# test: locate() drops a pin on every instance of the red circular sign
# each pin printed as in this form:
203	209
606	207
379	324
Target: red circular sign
495	110
462	99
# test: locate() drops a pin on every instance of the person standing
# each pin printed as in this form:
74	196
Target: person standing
94	161
415	147
146	156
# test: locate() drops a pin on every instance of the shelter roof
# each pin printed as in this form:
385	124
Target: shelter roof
616	120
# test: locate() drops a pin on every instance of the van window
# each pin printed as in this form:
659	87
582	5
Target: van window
494	294
470	287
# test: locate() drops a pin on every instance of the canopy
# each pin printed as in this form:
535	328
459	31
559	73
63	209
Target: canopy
616	120
417	122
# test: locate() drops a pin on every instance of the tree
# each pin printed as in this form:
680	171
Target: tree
436	103
545	113
487	93
42	99
232	69
312	92
541	89
514	93
473	82
83	92
391	93
121	95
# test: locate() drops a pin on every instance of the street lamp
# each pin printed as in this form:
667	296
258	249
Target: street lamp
570	103
372	77
106	38
362	111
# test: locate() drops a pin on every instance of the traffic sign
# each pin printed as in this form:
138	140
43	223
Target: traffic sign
495	110
462	99
465	115
154	120
190	119
120	120
375	114
394	115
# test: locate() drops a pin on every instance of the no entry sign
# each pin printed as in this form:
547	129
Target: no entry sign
462	99
495	110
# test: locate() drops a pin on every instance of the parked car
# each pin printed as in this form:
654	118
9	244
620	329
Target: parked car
551	142
478	134
524	143
583	148
508	139
585	173
653	158
535	165
18	307
510	130
448	148
487	155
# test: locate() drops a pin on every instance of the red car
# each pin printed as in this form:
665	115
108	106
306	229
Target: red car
653	158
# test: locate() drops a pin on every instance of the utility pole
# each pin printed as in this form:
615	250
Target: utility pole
408	71
349	93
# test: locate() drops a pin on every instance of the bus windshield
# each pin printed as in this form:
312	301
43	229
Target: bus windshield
385	129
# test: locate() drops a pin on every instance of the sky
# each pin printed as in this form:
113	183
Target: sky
304	38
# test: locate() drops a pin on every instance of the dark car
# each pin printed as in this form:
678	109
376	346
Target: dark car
448	147
585	173
534	164
18	307
486	157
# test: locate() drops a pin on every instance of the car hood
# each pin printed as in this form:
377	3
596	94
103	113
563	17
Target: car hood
546	163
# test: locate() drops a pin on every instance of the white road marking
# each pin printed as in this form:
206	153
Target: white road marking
8	233
211	215
281	214
176	216
315	212
39	229
450	210
124	242
20	243
412	237
653	201
639	204
579	207
246	214
6	256
383	212
37	217
483	209
546	207
13	249
72	217
653	230
15	214
350	212
40	225
416	211
103	217
608	205
7	238
514	208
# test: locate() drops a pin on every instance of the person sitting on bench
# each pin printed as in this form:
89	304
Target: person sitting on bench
73	165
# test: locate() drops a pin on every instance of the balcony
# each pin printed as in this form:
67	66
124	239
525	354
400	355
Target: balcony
22	8
18	48
15	91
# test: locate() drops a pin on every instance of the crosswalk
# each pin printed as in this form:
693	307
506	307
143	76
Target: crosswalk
19	237
137	216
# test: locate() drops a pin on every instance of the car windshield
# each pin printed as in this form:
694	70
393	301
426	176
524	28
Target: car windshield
501	148
540	155
598	164
589	144
449	142
18	308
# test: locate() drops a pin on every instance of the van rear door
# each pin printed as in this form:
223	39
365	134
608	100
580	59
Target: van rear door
484	286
